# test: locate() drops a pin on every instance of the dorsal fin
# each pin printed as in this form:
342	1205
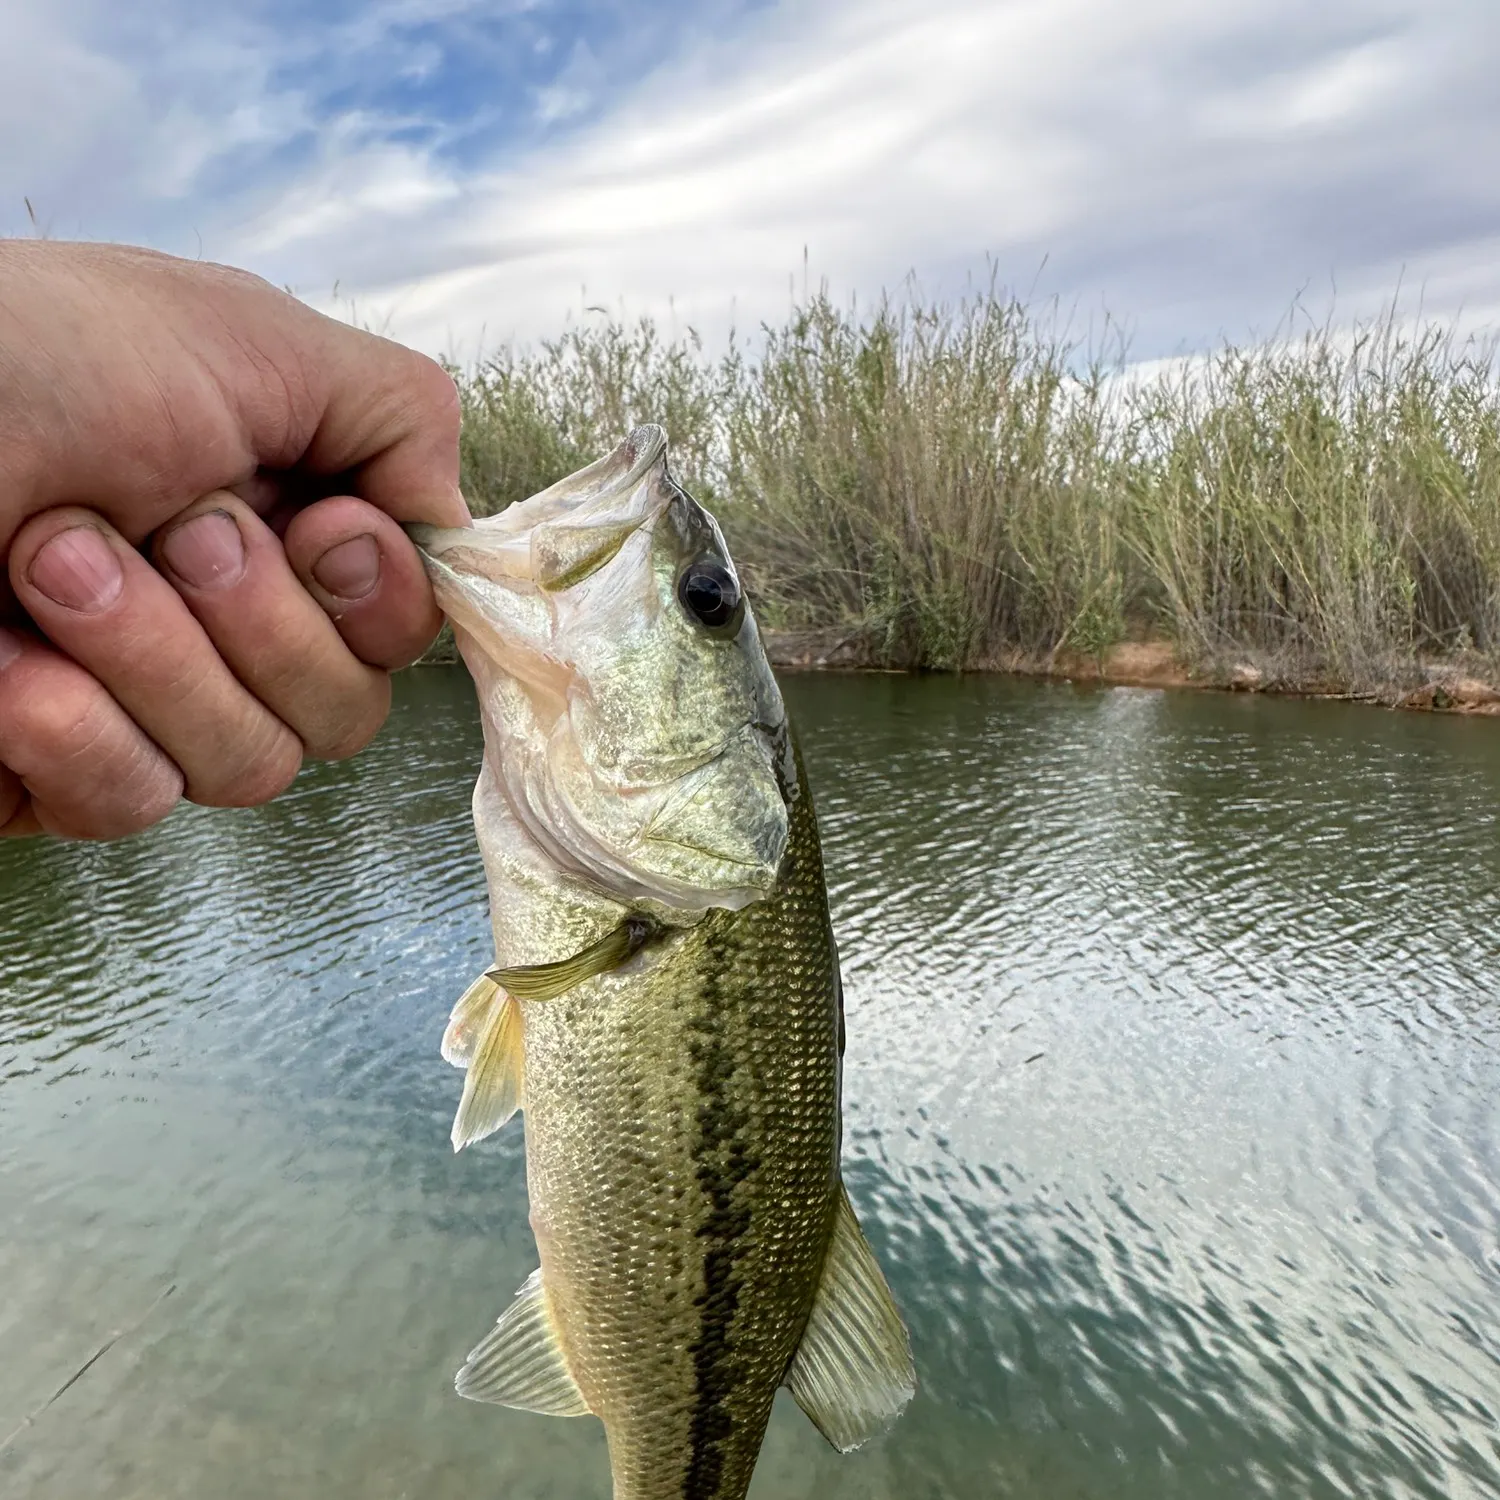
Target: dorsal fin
520	1362
853	1372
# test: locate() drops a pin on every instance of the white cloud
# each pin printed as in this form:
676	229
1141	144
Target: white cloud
1191	166
1329	93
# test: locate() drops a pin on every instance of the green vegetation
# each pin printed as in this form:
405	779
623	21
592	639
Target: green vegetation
960	485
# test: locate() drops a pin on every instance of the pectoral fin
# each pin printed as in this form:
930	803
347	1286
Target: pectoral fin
497	1071
466	1022
520	1362
853	1371
548	981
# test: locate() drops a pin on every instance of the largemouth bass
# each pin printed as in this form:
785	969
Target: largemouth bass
665	997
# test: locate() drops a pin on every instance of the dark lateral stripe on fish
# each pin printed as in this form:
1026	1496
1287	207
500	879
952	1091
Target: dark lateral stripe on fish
723	1160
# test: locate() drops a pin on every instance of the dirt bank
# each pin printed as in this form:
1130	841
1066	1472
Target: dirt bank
1435	686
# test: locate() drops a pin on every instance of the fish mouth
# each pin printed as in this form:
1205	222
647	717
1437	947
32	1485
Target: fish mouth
457	553
727	815
423	536
607	488
501	622
661	772
498	579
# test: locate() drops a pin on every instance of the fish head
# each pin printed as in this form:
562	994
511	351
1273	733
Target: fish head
631	717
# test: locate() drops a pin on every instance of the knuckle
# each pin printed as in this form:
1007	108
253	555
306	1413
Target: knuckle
95	823
142	796
65	722
94	777
234	278
354	730
439	394
255	776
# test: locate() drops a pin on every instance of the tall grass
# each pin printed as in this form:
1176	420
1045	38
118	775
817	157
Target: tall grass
951	485
1332	506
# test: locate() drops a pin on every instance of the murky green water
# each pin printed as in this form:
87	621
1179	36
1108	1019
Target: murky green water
1173	1108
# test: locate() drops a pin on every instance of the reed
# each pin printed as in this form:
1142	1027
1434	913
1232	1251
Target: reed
958	484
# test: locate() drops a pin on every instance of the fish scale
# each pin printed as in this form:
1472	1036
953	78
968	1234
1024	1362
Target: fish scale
699	1100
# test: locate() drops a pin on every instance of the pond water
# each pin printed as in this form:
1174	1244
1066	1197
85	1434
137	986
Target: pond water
1172	1109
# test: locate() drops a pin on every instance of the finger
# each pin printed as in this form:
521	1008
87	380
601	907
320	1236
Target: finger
390	418
362	568
185	377
277	498
105	606
233	575
76	764
17	818
263	492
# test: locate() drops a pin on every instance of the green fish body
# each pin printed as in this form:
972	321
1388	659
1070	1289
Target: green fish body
665	1003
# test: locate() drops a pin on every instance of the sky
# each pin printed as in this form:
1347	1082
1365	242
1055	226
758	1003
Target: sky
467	173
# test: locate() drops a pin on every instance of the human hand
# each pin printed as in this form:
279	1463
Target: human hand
261	455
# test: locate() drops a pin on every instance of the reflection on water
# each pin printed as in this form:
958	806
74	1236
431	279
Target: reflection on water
1171	1110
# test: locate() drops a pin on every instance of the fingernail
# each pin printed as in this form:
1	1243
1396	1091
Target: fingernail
79	570
10	647
350	570
207	552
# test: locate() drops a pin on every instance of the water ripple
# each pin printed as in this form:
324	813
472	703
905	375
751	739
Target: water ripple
1171	1077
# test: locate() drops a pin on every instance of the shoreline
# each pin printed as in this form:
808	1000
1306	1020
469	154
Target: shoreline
1444	686
1441	686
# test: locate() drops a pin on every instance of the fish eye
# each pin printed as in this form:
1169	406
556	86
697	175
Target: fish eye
710	593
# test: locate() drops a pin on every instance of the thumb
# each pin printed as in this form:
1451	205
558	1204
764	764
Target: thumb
389	421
